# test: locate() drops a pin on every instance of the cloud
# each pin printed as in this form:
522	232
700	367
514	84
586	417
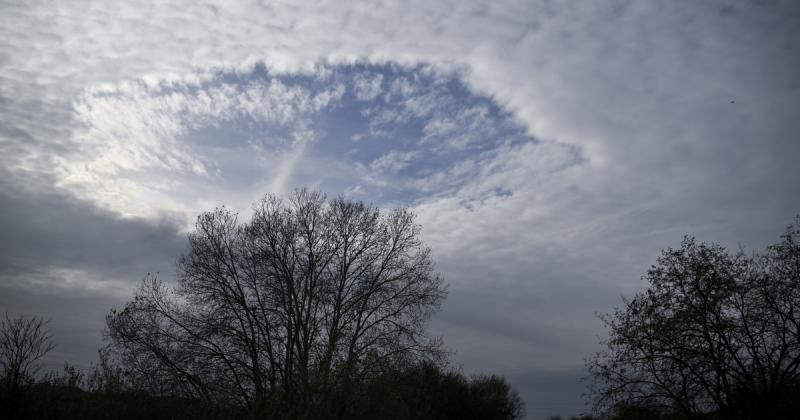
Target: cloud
149	146
393	161
48	229
556	148
135	145
65	259
367	88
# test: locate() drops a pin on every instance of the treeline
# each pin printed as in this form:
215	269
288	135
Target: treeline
630	412
312	309
317	309
420	392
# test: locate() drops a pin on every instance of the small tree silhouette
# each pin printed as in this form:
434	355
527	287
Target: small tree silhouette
23	342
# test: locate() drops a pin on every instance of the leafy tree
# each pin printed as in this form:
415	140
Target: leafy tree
714	334
286	311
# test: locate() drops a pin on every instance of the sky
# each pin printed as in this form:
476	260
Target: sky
550	149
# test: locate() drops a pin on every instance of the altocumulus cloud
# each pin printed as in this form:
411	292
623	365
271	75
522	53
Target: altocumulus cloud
549	150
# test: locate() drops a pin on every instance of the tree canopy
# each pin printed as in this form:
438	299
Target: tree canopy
715	334
287	311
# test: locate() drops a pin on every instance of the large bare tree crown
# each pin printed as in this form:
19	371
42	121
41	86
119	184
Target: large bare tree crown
307	295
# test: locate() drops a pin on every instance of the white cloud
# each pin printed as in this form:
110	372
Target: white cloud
133	152
654	119
368	88
393	161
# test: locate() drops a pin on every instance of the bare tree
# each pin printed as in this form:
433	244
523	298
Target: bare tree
713	334
23	343
286	309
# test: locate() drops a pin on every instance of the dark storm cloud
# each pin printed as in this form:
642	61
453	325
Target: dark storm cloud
47	229
64	259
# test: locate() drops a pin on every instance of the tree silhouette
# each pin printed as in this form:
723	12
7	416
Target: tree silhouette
287	311
23	342
714	334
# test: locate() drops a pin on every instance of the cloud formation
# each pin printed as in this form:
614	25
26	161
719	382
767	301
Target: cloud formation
550	150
